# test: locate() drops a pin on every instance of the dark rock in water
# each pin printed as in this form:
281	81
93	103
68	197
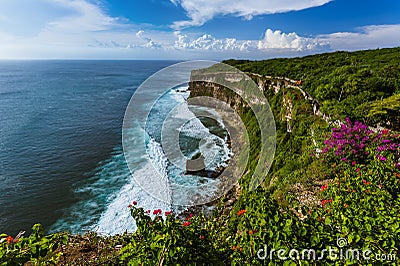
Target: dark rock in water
205	173
196	166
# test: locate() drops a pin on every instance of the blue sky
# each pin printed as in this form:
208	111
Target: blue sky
193	29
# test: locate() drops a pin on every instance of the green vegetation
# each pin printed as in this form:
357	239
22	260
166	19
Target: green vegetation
36	249
331	190
345	83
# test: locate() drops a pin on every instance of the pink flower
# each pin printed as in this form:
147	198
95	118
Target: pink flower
353	163
358	170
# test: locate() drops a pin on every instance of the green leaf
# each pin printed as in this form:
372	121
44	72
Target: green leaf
328	220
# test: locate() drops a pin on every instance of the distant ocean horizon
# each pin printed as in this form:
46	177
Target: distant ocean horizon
61	155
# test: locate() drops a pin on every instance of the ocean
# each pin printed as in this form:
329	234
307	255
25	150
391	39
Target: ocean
62	162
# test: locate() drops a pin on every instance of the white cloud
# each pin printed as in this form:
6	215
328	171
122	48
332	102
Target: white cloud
273	40
85	17
291	41
82	29
368	37
200	11
149	42
208	42
66	25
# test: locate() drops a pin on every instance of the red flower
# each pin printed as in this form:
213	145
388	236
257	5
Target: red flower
323	202
324	187
129	206
201	237
134	203
365	182
385	131
239	248
9	239
250	232
168	213
148	211
157	212
241	212
186	223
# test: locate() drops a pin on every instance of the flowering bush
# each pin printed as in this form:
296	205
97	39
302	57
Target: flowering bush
356	143
364	203
167	240
36	249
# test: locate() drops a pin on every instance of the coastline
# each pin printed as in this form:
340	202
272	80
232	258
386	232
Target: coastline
237	142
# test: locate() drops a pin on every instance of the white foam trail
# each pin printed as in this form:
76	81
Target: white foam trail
117	219
180	94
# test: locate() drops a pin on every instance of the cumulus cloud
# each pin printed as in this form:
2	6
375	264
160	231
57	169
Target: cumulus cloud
208	42
149	42
200	11
291	41
273	40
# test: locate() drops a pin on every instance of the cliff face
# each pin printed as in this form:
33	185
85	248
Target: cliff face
265	84
275	84
208	88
